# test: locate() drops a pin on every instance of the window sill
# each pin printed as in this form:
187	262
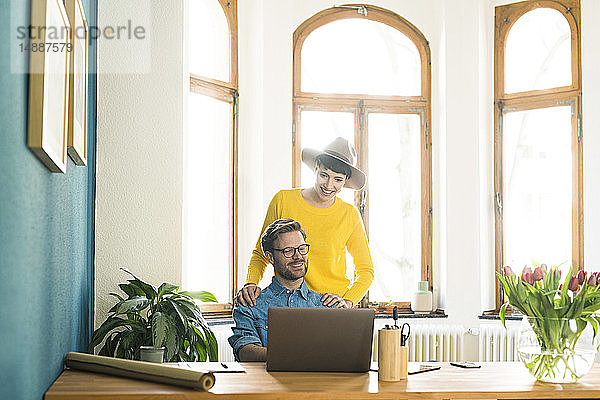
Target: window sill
434	314
497	317
224	319
215	321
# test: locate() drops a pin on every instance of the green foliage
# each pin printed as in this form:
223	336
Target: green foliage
148	316
551	305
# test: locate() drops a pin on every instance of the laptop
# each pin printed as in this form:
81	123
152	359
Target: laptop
319	339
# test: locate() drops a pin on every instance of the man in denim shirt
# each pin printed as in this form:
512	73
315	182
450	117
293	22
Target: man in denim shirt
283	243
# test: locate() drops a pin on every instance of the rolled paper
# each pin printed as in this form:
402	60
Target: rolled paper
169	374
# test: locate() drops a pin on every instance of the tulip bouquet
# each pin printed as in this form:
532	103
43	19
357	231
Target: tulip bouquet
557	312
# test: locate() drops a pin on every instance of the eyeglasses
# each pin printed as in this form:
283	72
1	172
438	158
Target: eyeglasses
289	252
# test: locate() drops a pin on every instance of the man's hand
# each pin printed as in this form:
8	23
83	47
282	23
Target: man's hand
331	299
247	295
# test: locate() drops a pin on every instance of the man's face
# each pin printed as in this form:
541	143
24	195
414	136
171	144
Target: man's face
289	268
328	183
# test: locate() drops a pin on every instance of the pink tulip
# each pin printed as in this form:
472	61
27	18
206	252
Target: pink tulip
592	280
538	274
507	271
556	273
527	275
581	276
574	284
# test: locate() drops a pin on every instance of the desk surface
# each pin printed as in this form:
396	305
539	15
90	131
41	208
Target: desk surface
491	381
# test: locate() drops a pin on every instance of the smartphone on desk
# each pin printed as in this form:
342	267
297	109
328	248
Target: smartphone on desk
465	364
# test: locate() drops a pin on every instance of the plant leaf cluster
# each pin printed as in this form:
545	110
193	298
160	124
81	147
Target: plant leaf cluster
150	316
547	298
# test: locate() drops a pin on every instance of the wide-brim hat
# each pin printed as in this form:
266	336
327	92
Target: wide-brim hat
343	151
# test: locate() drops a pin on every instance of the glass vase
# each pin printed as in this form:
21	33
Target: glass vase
556	350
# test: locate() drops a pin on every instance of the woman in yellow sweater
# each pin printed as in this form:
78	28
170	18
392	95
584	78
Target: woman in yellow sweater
331	226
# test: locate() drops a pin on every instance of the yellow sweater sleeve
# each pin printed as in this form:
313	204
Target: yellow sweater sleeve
358	248
258	261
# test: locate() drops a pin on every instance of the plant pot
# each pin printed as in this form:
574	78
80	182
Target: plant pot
152	354
556	350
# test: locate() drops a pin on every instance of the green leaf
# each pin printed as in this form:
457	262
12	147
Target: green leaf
172	342
130	290
148	290
502	313
193	312
201	295
213	346
166	288
183	356
179	313
109	346
201	349
106	327
160	329
132	305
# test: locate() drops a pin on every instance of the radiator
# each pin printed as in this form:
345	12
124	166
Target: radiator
497	343
222	332
426	342
431	342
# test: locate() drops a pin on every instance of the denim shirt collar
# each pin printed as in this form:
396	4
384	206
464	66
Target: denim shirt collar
278	288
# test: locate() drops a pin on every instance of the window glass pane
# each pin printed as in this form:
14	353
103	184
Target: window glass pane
208	40
537	187
360	56
395	205
538	52
207	202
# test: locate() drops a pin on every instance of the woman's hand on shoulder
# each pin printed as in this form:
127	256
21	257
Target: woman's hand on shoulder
335	300
247	295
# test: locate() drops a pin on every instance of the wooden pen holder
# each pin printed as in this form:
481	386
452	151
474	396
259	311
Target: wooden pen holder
392	358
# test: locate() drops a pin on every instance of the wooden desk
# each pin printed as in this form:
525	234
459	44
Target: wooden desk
491	381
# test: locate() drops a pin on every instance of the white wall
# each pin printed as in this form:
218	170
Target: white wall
140	139
590	13
139	167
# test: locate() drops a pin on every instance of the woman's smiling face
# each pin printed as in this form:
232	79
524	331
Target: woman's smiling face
328	183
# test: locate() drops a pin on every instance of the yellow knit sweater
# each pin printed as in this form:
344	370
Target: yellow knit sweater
330	231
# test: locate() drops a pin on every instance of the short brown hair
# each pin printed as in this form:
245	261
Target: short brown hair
333	164
282	225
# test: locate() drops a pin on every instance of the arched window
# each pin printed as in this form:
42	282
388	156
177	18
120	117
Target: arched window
538	168
210	151
363	72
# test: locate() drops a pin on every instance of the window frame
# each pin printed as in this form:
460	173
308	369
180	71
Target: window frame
361	105
505	17
227	92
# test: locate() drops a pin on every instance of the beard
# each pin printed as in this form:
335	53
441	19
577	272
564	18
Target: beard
287	273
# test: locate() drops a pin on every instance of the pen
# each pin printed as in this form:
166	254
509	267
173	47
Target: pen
424	370
224	365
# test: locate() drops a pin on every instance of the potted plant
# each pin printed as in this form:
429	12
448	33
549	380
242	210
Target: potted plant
159	317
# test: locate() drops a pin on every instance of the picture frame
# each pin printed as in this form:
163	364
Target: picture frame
78	83
49	48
